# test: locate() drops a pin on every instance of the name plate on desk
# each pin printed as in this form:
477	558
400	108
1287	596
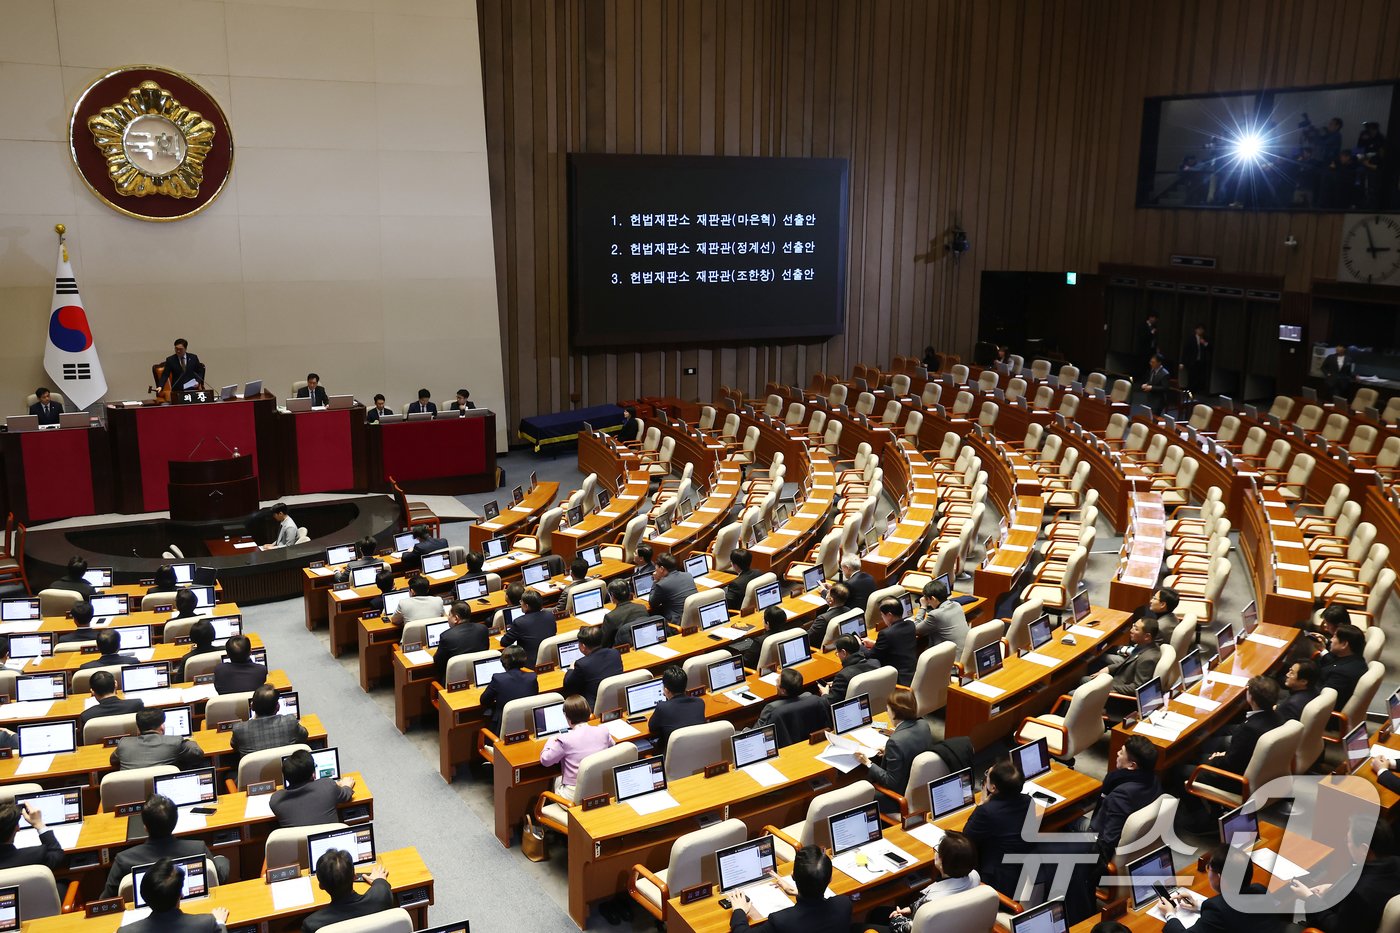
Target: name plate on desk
258	788
371	614
698	892
459	685
412	647
716	769
204	679
515	738
130	809
285	873
193	396
544	668
596	801
107	905
6	754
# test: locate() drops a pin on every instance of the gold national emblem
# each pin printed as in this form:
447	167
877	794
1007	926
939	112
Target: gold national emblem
153	144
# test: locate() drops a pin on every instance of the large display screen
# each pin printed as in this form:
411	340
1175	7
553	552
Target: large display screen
687	249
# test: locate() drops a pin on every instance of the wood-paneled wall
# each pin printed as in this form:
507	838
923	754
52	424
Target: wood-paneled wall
1019	120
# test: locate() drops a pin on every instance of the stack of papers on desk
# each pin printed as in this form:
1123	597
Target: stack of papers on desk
621	730
726	632
141	913
900	541
35	764
27	709
929	834
421	656
1187	918
321	571
654	802
766	897
1276	865
66	834
259	806
1085	631
164	696
742	696
1231	680
707	581
876	861
497	563
442	574
765	774
198	692
1201	703
1044	660
840	752
813	598
22	627
245	546
662	652
189	821
690	524
771	678
984	689
1268	640
294	892
1157	732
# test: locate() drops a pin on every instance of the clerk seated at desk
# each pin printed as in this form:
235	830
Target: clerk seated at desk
161	889
464	401
103	687
109	646
183	368
286	528
314	391
45	408
159	817
379	410
153	747
424	404
814	912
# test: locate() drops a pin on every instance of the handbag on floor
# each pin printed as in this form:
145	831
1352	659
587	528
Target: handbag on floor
532	841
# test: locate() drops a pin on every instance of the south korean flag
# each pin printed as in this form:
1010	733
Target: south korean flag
70	357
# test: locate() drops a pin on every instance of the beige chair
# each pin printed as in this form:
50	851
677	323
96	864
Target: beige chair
980	637
164	598
878	684
987	381
288	846
812	830
548	652
82	679
542	540
1076	722
38	892
1143	831
585	587
872	608
1096	382
771	651
691	748
130	786
1364	398
960	374
57	602
1272	758
691	862
227	707
933	391
416	632
102	728
264	765
460	668
8	791
695	667
1122	391
1354	710
926	767
750	601
1015	389
973	911
595	776
202	664
612	691
515	717
1312	739
913	425
690	610
1040	369
393	920
899	385
1018	631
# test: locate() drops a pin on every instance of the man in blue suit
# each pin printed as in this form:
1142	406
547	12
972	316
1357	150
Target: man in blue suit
511	684
531	626
598	663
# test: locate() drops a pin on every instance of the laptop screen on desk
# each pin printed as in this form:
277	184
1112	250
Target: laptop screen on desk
392	600
639	778
471	587
647	633
34	645
713	614
1249	617
745	863
1040	631
643	697
1225	641
187	788
1191	668
340	554
768	595
588	600
195	884
550	720
495	547
358	841
754	745
364	576
184	572
853	623
569	653
591	556
1240	827
40	687
951	793
724	674
59	806
536	573
641	583
812	578
432	632
1358	745
988	659
437	561
1080	607
1033	758
48	738
485	669
1150	697
1047	918
106	606
697	565
854	828
204	596
850	714
99	576
138	677
404	541
18	610
134	637
1393	707
1153	868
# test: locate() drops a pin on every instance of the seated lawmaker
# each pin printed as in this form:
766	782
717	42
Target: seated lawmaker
462	637
379	410
186	604
1233	750
73	581
419	605
159	816
45	407
956	860
335	873
511	684
627	433
424	404
794	712
837	597
82	622
897	644
998	826
677	710
911	738
570	748
1343	665
1374	880
161	887
670	588
530	627
423	544
599	662
109	646
1129	787
103	687
164	580
306	800
464	401
266	727
939	618
201	642
625	611
742	561
154	747
239	673
1301	683
853	662
813	912
48	852
1218	914
314	391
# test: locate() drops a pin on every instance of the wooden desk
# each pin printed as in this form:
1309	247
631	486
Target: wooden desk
250	907
706	916
57	473
900	550
1250	658
709	516
517	518
156	620
1028	688
599	527
1144	548
316	583
444	456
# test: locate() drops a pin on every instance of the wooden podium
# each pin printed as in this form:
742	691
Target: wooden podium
207	490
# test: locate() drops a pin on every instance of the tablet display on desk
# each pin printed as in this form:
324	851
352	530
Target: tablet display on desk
187	788
854	828
184	572
358	841
108	606
58	806
252	389
550	720
1033	759
288	704
587	600
491	511
770	594
951	793
47	738
1358	745
178	721
641	583
40	687
195	883
1225	641
432	632
794	651
1154	868
745	863
138	677
486	668
31	645
1393	709
812	578
643	697
392	600
574	515
722	675
569	653
1249	618
1047	918
639	778
471	587
1150	697
850	714
495	547
133	637
1191	668
204	596
697	565
754	745
713	614
536	573
99	577
988	659
340	554
591	556
947	581
604	500
436	561
648	632
1041	631
18	610
404	541
1240	827
364	576
1079	608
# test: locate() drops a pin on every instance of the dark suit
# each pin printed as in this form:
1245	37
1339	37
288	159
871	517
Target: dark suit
1376	883
78	634
625	434
667	597
319	398
1341	674
1124	793
109	660
616	618
1245	737
795	718
153	850
108	706
263	732
417	408
734	592
373	415
457	406
1158	383
1137	669
591	670
180	374
675	713
816	632
898	647
74	585
463	638
48	852
426	546
529	629
910	739
379	897
48	412
1147	342
1339	377
1217	916
151	748
829	915
1195	359
853	664
310	804
504	687
176	921
240	677
1291	706
861	585
996	827
194	650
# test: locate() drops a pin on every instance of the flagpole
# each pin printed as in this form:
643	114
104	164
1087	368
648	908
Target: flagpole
60	230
